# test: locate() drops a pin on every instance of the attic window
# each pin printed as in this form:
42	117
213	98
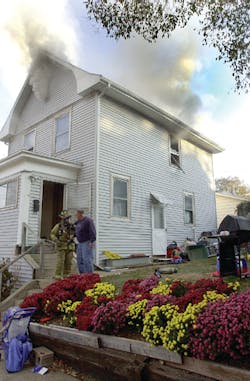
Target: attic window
174	151
29	140
62	132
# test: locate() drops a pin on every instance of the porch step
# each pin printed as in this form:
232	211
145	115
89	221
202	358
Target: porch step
32	287
34	291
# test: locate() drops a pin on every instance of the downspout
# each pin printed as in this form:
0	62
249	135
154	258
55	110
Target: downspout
98	113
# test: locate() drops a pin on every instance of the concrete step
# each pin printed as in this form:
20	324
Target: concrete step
18	302
45	282
34	291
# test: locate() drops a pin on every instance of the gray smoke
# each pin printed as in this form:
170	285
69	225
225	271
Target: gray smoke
162	72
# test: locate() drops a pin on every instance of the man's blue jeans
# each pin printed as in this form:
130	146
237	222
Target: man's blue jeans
85	258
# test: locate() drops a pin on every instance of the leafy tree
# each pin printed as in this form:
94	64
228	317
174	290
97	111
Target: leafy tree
223	24
233	185
243	209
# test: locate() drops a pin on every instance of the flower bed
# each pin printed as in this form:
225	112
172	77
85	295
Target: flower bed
207	319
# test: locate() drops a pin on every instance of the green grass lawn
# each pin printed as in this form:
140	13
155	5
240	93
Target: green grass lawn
190	271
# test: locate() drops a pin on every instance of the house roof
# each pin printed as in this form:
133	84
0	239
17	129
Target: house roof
88	82
231	195
30	161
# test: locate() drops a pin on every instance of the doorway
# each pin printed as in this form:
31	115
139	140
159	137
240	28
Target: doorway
159	231
52	205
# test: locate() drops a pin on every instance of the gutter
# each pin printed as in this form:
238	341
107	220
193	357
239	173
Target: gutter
187	131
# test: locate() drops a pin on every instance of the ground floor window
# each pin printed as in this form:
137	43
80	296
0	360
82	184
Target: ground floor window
8	194
120	196
189	209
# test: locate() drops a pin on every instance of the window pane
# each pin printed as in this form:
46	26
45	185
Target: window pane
175	159
62	142
189	217
29	140
62	124
174	144
11	196
159	217
120	188
3	190
188	203
120	208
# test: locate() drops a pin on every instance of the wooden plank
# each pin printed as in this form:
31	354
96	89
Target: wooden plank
214	370
139	347
109	364
154	371
158	353
114	342
88	339
81	338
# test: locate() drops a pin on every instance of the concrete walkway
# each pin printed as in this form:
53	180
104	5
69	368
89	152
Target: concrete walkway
27	375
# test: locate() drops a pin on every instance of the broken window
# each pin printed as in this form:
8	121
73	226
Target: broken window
174	151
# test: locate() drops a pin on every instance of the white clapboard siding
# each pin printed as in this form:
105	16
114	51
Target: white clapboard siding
9	226
22	271
34	217
78	196
131	145
226	204
62	93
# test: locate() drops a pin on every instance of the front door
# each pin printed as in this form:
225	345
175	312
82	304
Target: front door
159	232
52	205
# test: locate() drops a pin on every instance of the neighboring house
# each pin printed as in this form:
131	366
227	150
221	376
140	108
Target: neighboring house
78	140
226	203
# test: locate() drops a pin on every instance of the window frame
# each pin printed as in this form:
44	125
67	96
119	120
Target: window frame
188	194
57	116
173	152
128	180
14	205
28	133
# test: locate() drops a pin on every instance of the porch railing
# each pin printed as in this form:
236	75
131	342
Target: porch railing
25	252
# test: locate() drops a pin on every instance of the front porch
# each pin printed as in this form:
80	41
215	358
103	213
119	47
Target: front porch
44	186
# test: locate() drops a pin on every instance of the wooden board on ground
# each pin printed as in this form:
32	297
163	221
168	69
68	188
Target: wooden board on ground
104	341
141	362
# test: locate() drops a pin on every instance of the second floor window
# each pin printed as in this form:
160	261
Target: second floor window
8	194
62	132
174	151
120	196
29	140
189	209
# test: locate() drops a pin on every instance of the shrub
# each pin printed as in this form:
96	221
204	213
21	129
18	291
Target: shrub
135	314
222	331
161	289
110	318
155	322
101	289
68	309
146	285
8	281
84	314
71	288
160	300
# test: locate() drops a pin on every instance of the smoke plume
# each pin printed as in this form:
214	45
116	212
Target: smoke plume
29	26
162	72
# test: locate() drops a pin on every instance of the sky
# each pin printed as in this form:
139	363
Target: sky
177	74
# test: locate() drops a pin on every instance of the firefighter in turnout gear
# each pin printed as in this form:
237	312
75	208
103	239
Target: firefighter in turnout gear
63	235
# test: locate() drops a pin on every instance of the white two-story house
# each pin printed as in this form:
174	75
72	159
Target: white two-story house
78	140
